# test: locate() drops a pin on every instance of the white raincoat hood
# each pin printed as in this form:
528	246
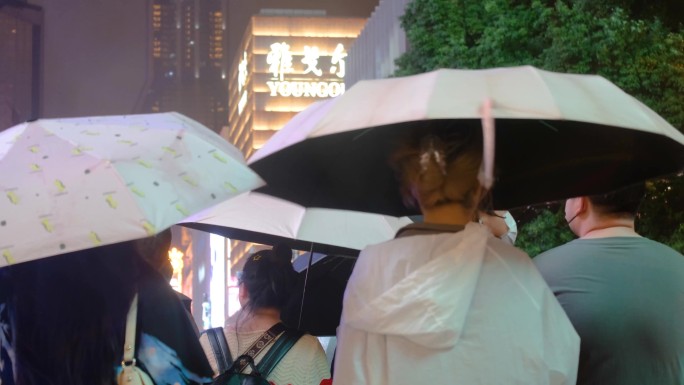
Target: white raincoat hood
422	306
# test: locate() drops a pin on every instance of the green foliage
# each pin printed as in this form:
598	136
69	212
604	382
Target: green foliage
661	214
536	237
432	21
641	57
637	44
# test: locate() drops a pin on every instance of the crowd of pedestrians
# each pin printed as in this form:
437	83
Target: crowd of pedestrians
448	300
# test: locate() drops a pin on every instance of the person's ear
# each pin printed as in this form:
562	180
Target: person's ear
575	207
583	204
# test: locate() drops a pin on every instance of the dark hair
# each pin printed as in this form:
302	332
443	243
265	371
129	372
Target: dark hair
68	313
623	202
439	166
155	250
269	278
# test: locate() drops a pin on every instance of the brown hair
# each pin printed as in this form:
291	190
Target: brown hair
436	167
155	250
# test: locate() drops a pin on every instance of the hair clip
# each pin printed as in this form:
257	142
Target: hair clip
429	150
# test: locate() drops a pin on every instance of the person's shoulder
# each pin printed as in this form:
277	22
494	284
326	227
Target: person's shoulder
307	341
659	245
307	349
559	259
661	249
556	253
376	254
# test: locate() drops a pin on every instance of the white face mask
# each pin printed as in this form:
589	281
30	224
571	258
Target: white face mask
566	213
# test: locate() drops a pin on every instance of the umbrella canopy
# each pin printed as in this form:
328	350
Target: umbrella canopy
73	184
259	218
317	304
557	136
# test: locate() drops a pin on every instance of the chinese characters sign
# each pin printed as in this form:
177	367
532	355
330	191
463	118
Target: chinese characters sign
281	64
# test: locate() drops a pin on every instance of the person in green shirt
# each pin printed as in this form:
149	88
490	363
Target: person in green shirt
623	293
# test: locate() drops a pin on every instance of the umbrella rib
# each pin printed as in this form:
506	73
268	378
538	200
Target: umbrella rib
362	133
545	123
306	279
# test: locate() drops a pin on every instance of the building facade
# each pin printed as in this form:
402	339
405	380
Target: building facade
380	43
286	63
188	62
241	11
21	36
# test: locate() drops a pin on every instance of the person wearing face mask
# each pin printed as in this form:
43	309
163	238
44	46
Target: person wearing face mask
623	293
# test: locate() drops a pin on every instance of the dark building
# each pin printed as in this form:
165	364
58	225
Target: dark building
194	43
21	33
188	61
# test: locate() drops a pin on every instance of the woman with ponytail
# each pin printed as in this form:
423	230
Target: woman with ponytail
446	302
266	285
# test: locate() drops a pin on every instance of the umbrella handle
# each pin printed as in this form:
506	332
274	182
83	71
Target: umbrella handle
486	175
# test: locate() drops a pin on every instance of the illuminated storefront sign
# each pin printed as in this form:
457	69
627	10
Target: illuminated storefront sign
337	61
306	89
280	62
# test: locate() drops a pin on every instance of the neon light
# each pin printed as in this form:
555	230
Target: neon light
279	60
306	89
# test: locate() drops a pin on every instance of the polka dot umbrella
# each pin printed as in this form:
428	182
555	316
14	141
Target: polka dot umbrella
73	184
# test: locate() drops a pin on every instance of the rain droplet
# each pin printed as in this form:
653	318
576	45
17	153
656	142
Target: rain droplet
62	246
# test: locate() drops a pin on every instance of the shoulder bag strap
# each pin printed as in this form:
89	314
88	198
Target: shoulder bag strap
131	374
278	351
129	341
259	345
219	346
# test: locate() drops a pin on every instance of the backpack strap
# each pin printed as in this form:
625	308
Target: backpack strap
278	351
219	346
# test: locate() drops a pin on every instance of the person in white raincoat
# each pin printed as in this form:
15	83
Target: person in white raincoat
447	302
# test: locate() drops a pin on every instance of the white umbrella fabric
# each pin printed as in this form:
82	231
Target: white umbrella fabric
337	234
557	136
259	218
73	184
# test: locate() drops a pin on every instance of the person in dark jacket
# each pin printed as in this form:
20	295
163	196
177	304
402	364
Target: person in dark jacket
68	315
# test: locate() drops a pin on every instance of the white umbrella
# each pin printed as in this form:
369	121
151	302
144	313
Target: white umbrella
259	218
72	184
557	136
